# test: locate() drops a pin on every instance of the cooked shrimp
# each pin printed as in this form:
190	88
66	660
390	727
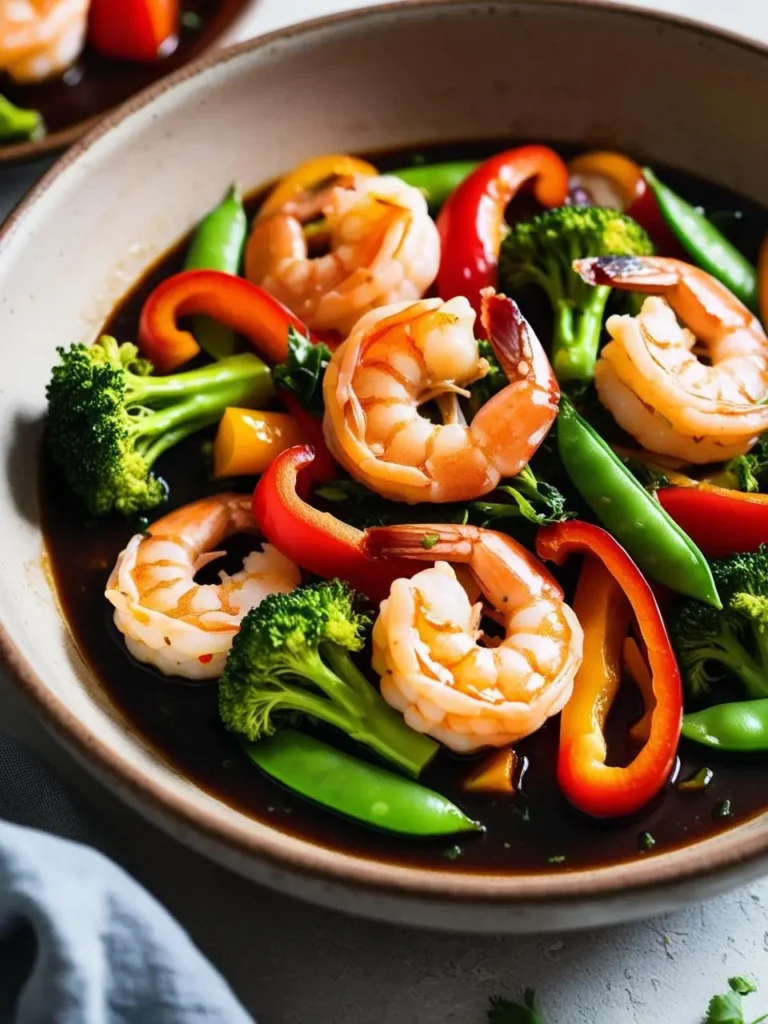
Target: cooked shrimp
40	38
400	357
383	247
427	638
182	627
651	376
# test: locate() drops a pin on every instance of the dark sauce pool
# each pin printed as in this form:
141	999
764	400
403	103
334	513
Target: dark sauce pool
537	831
95	84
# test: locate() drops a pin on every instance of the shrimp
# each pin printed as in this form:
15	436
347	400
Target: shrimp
181	627
400	357
383	247
433	669
650	375
40	38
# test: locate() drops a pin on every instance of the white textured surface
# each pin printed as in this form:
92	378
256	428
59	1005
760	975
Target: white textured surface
293	964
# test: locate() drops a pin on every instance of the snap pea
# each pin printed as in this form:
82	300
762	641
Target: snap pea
635	518
19	124
709	248
356	789
217	244
741	726
437	181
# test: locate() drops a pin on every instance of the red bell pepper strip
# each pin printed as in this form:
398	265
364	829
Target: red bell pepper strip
141	30
324	467
231	300
594	787
471	222
314	540
718	521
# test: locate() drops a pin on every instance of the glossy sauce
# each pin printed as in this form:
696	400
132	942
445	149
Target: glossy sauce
95	84
536	831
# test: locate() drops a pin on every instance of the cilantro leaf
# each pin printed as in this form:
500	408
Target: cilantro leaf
503	1011
531	499
725	1009
302	373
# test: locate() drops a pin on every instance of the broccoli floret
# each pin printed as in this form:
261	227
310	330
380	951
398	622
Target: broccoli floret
110	419
542	251
292	657
712	644
746	472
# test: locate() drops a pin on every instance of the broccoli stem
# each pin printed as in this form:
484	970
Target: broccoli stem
576	338
369	719
733	655
197	399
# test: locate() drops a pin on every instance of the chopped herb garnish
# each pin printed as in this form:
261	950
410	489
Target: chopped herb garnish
453	853
502	1011
429	540
700	780
557	858
729	1007
192	21
646	841
723	810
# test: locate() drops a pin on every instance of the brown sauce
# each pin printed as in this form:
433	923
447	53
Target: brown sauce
536	831
95	84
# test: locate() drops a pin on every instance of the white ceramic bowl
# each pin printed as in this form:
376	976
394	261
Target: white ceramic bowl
680	94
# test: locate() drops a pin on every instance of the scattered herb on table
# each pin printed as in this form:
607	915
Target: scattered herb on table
503	1011
729	1007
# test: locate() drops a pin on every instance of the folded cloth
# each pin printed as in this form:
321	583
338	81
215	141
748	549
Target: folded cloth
80	941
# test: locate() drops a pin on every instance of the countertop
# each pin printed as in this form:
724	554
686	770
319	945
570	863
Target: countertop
296	964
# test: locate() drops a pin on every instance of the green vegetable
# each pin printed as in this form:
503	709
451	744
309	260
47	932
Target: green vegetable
356	789
292	657
302	374
740	726
437	181
708	246
534	500
217	244
700	780
109	419
502	1011
646	841
541	251
17	125
623	506
495	380
729	1008
746	472
733	642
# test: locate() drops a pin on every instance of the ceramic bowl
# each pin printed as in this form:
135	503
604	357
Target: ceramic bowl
228	27
677	92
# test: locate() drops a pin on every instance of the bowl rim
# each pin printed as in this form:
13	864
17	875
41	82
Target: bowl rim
279	851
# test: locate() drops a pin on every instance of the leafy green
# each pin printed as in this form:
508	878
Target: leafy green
302	373
530	499
503	1011
728	1008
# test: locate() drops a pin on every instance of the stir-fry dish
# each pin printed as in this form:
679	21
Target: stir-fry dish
64	61
440	488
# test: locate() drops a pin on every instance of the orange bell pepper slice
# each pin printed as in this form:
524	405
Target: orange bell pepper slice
248	440
609	586
308	175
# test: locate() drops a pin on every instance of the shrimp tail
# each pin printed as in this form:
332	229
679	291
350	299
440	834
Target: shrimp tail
630	273
424	542
515	343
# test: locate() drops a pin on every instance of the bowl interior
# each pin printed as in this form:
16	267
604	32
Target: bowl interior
391	76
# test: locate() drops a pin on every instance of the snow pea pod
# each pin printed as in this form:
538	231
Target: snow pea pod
217	244
708	247
356	789
635	518
740	726
437	181
17	124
